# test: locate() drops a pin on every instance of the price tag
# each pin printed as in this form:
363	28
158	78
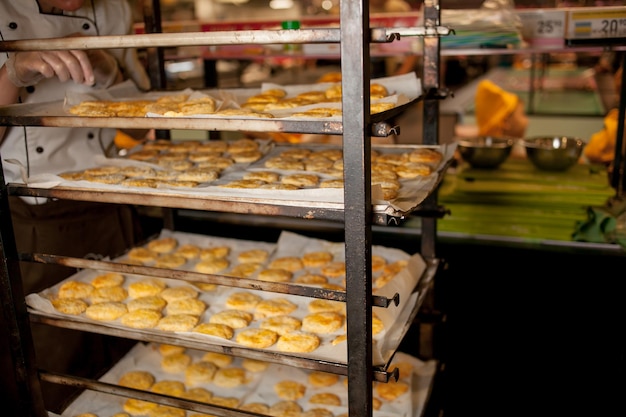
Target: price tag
543	24
597	24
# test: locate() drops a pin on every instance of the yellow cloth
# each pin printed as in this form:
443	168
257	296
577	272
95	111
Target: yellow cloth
492	107
601	146
125	141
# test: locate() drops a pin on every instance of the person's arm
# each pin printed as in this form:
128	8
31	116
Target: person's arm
8	94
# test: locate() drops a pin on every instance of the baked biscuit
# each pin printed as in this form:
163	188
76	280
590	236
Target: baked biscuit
218	146
245	270
290	164
396	266
301	180
143	255
275	275
253	255
166	411
214	252
326	398
324	322
109	279
188	251
145	287
212	266
175	363
246	156
215	329
141	318
243	144
72	306
335	269
178	293
378	263
289	390
136	171
75	289
391	390
230	402
177	323
332	154
278	186
289	263
205	286
219	163
317	412
312	96
165	349
198	175
107	311
322	379
318	164
320	305
230	377
274	307
137	407
257	338
285	408
200	372
150	302
310	279
298	342
336	183
281	324
198	394
104	294
242	300
192	306
221	360
243	183
316	259
163	245
235	319
265	176
140	182
412	170
137	379
168	387
254	365
377	325
296	153
425	155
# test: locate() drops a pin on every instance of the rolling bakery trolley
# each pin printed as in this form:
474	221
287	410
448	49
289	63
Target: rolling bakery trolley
356	208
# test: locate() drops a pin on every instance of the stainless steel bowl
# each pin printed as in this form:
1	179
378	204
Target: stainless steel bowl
485	151
553	153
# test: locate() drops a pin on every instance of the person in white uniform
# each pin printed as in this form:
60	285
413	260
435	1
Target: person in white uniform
63	227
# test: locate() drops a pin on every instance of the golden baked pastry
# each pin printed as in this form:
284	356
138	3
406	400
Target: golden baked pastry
289	390
205	286
108	279
284	163
278	186
310	279
316	259
335	269
175	363
378	263
219	163
214	252
317	412
212	266
426	156
163	245
178	293
412	170
145	287
75	289
281	324
72	306
136	171
245	270
289	263
230	377
253	255
242	300
326	398
142	380
319	305
258	338
198	175
215	329
188	251
141	318
322	379
177	323
107	311
168	387
391	390
275	275
165	349
200	373
192	306
230	402
235	319
166	411
324	322
254	365
301	180
150	302
336	183
198	394
274	307
265	176
243	183
298	342
256	407
222	360
104	294
285	408
143	255
244	157
137	407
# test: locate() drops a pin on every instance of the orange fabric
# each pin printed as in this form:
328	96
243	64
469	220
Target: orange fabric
601	145
124	141
492	106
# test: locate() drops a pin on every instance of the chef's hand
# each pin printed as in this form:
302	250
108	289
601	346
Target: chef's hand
92	67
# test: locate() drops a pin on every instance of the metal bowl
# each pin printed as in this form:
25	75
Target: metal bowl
553	153
485	151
